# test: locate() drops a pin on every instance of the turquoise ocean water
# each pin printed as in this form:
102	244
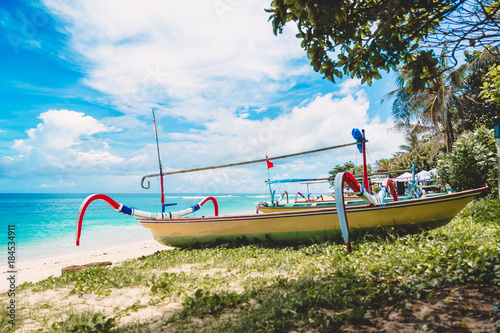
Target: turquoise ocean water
45	223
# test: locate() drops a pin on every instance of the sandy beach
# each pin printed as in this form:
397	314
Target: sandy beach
38	270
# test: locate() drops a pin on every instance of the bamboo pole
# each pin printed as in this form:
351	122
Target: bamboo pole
244	163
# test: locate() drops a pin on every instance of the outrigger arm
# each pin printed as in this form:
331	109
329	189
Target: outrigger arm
135	212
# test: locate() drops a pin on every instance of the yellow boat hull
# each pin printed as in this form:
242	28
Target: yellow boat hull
308	225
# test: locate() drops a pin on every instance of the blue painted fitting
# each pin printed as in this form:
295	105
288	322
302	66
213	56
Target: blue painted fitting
126	210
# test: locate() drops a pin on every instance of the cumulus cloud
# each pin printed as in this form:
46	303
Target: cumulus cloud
57	185
60	129
64	140
350	86
194	60
214	65
325	121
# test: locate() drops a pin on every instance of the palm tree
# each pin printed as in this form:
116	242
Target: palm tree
428	110
383	164
412	141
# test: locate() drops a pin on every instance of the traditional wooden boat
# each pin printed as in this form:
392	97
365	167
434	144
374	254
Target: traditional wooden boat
309	225
293	226
172	228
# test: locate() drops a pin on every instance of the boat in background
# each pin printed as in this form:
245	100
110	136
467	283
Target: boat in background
302	202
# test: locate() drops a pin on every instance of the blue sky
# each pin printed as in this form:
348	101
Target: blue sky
78	83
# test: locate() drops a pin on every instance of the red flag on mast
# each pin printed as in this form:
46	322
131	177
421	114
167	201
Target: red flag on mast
269	164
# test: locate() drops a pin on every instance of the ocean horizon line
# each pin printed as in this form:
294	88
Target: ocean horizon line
165	193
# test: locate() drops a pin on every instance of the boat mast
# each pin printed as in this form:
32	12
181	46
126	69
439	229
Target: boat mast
159	162
365	171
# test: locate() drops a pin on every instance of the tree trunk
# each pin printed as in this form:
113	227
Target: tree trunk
448	132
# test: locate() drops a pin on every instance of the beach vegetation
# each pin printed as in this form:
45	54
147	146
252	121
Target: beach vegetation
6	320
86	322
270	287
451	103
431	109
472	163
491	86
355	170
421	155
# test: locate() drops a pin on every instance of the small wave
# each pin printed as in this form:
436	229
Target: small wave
257	196
215	196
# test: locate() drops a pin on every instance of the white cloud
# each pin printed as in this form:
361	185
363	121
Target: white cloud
61	129
324	122
350	86
193	57
68	144
65	140
57	185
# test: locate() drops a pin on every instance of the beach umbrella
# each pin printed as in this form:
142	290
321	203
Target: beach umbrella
423	176
405	177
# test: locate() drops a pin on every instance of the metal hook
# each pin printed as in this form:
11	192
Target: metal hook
142	183
149	184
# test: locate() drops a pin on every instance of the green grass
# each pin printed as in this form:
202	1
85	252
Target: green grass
268	287
87	321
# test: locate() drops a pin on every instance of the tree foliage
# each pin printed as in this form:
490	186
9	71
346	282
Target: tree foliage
491	86
349	167
473	162
419	155
475	109
364	37
383	164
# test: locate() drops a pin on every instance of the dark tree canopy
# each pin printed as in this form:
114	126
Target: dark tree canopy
349	167
474	109
359	38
